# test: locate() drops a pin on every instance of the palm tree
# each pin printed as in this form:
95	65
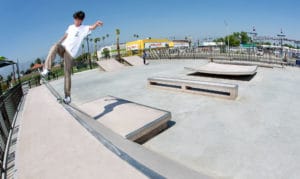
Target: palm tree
88	51
118	44
136	36
82	46
96	40
1	79
103	38
91	40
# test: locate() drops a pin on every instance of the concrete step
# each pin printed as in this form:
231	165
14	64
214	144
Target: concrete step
223	90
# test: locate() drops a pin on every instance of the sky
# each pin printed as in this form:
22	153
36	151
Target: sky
30	27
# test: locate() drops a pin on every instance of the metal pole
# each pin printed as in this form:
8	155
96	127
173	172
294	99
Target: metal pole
227	31
18	71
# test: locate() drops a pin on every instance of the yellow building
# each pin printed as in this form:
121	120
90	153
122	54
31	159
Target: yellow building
136	47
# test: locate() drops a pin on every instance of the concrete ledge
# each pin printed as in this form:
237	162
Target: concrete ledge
110	65
223	90
134	60
248	63
224	69
132	121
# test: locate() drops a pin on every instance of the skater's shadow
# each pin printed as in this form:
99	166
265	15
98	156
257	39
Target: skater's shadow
110	107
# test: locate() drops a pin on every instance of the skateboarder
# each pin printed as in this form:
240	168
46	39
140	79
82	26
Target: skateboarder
68	47
144	56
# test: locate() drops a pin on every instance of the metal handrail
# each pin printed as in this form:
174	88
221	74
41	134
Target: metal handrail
9	105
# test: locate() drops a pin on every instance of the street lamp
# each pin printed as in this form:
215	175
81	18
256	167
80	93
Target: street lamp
254	34
227	31
281	36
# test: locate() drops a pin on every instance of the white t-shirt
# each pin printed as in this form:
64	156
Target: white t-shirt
75	37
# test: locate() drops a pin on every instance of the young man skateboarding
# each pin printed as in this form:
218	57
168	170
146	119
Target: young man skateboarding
68	47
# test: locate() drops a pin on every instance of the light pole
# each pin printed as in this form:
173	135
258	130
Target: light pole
254	34
281	36
227	31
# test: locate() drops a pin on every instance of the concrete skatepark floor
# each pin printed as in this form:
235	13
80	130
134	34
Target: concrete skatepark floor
255	136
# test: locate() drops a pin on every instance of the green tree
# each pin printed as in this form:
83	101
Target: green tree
118	43
9	78
2	58
235	39
38	61
106	53
96	40
245	39
91	44
31	65
82	48
288	45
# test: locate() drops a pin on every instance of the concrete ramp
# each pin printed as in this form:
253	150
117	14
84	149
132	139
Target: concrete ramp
224	69
134	60
110	65
222	90
133	121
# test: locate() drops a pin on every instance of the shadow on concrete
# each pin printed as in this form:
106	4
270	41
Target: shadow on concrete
110	107
227	77
169	125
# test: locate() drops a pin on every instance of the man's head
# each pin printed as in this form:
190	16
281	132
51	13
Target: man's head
78	18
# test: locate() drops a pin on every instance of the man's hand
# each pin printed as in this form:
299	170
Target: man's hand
97	24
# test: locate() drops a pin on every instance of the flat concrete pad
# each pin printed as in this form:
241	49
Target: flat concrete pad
130	120
110	65
256	136
134	60
224	69
52	144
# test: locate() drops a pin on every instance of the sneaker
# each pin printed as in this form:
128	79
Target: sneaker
44	73
67	100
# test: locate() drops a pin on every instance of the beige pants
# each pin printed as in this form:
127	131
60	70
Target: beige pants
61	51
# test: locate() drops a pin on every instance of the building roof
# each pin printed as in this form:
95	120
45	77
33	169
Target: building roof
5	62
36	66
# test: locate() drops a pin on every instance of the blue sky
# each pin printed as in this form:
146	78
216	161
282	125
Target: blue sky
30	27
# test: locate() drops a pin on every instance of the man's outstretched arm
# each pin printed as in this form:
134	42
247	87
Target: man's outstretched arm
97	24
62	39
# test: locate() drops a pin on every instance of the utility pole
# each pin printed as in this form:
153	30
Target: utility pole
281	36
254	34
227	31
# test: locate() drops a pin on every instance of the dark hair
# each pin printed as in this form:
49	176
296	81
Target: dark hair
79	15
